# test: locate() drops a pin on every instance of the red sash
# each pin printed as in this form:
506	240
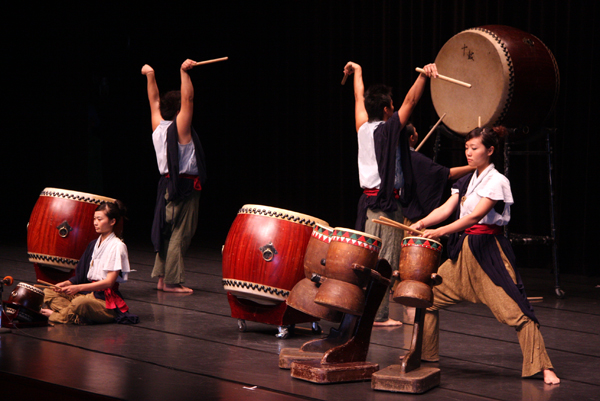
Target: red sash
114	301
479	229
197	184
375	191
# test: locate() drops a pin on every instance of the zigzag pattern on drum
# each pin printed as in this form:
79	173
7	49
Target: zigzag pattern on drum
278	215
71	196
511	71
255	287
54	259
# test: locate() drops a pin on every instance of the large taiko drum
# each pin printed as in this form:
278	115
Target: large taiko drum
264	252
24	303
419	259
514	77
344	288
302	296
62	225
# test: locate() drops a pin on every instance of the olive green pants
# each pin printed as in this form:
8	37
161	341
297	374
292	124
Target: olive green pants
78	308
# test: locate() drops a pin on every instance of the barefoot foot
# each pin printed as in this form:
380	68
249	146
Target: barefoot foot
388	323
161	284
550	377
177	288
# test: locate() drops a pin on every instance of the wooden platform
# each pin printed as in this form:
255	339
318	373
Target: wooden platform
187	347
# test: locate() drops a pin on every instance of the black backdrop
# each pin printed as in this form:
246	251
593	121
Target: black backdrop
277	126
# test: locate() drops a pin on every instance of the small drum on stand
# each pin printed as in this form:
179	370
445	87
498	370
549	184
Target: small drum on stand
24	304
514	77
349	257
60	228
419	259
302	296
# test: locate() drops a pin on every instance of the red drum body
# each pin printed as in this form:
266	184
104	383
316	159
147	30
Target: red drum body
264	252
514	77
302	296
62	225
419	259
343	288
24	303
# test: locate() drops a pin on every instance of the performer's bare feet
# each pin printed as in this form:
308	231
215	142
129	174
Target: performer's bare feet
388	323
550	377
177	288
161	284
46	312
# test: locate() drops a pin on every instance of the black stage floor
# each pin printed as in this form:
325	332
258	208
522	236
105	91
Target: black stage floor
187	347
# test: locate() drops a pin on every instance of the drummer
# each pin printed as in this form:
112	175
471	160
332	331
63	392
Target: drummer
429	181
92	295
481	264
384	165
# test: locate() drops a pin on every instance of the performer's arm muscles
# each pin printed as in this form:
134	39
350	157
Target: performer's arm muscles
415	92
153	95
458	172
439	214
184	118
360	112
483	207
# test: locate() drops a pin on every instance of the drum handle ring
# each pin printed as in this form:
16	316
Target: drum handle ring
268	251
64	229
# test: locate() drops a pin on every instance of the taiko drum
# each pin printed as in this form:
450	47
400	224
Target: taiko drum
302	296
264	252
419	259
343	290
24	303
61	226
514	77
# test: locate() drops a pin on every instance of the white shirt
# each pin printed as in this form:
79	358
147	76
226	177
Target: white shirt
108	256
493	185
368	172
187	152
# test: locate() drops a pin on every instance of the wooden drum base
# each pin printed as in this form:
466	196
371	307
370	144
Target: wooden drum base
416	381
316	372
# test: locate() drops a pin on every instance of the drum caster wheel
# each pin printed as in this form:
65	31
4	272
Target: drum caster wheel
285	331
316	328
241	325
560	294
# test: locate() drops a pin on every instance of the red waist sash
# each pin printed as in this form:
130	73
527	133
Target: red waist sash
113	300
197	184
479	229
375	191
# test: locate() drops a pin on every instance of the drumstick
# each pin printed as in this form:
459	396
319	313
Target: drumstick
46	283
479	122
445	78
210	61
344	79
389	222
430	132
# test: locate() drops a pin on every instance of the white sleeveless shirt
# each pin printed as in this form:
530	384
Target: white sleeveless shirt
187	152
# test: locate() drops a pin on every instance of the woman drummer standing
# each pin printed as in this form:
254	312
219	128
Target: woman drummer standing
480	268
92	295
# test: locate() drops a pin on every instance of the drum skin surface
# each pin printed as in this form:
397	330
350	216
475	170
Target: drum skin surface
514	77
263	255
62	225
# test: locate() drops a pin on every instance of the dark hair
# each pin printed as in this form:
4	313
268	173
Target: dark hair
113	210
377	98
489	136
410	130
170	104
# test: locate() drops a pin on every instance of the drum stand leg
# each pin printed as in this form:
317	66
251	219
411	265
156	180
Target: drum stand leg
347	362
409	376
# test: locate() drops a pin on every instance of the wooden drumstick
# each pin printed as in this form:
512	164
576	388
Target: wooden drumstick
445	78
46	283
479	122
430	132
210	61
389	222
344	79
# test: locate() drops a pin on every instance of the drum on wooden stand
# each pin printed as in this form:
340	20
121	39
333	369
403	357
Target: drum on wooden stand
24	303
302	296
264	252
514	77
351	253
61	226
419	259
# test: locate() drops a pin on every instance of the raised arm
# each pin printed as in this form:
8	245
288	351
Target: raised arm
415	92
360	112
153	95
458	172
184	118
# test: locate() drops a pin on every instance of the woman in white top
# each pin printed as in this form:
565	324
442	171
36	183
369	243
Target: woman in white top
92	295
480	268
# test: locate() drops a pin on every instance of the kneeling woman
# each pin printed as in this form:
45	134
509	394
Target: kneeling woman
480	268
92	295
